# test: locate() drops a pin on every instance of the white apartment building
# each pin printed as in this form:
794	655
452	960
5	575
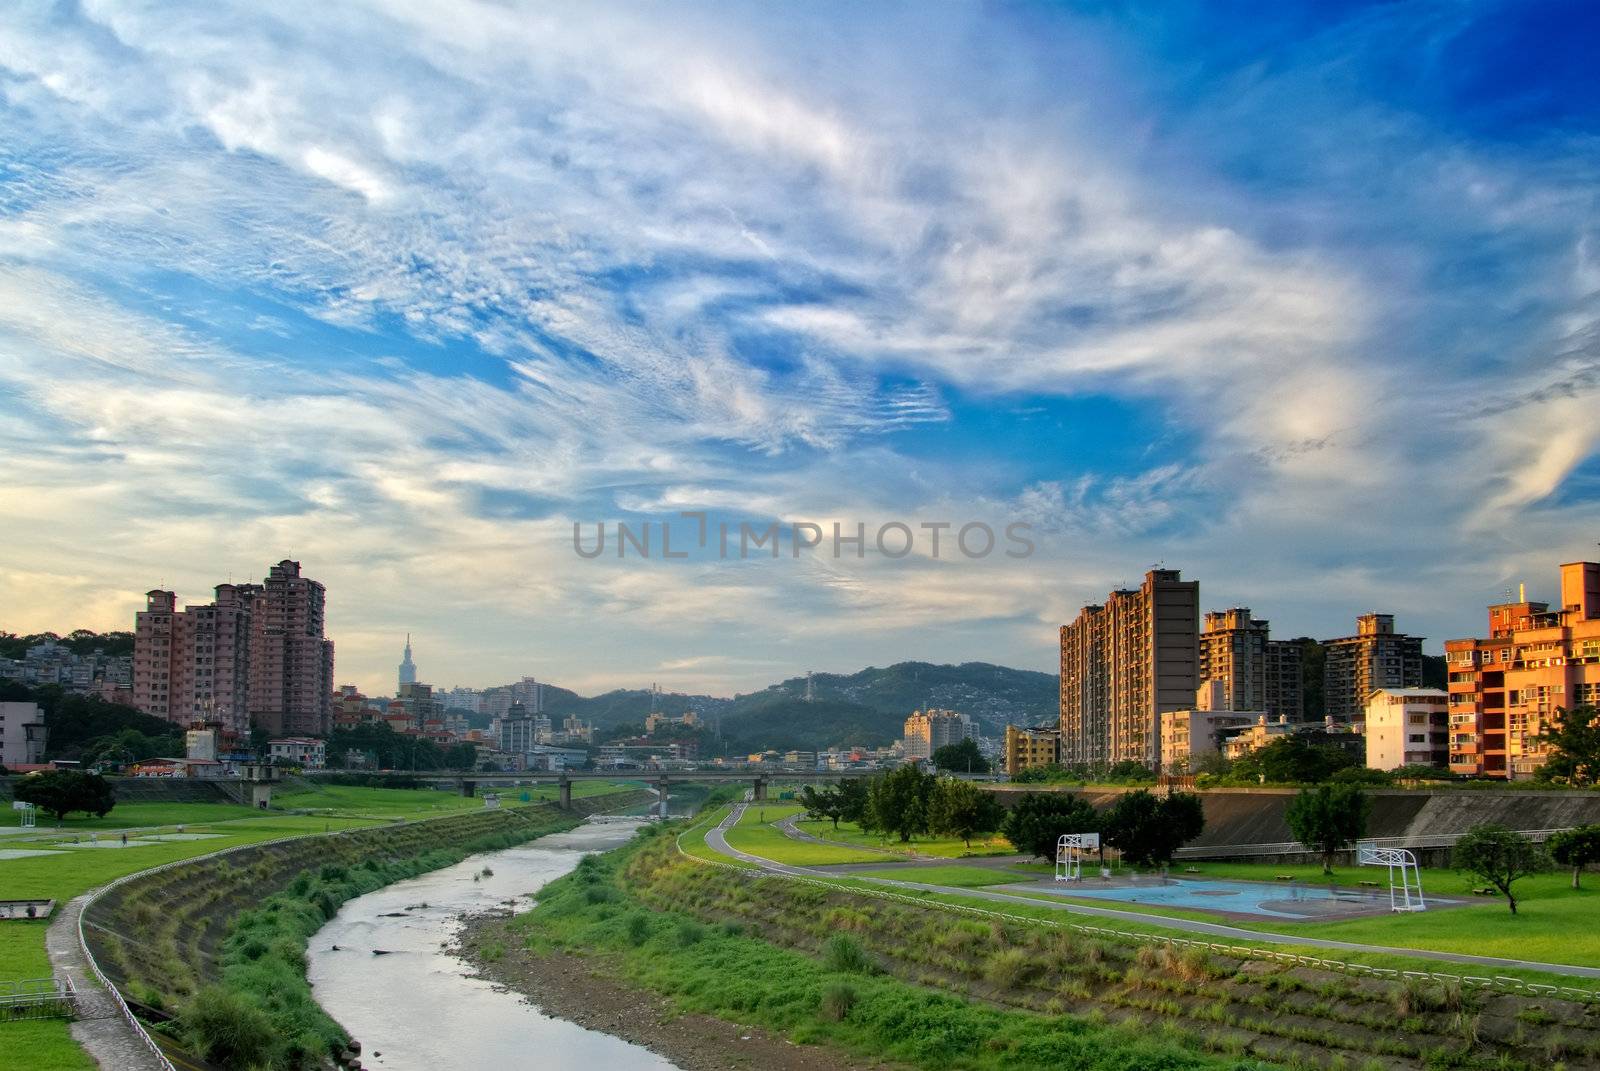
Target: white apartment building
1407	727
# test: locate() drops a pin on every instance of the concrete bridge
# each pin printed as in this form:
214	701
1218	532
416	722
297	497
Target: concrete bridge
660	780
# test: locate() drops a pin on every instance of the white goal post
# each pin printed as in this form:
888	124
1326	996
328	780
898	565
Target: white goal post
1069	854
1405	894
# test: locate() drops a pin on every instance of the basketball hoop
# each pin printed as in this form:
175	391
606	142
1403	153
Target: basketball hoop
1069	858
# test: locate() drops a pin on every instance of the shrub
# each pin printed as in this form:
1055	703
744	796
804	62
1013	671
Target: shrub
1009	968
637	928
228	1029
837	1000
844	953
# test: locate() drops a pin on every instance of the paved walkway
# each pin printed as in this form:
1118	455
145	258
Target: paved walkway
100	1027
718	842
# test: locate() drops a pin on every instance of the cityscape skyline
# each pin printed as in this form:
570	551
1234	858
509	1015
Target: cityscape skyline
405	295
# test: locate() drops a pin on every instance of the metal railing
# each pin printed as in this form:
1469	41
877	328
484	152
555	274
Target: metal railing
37	998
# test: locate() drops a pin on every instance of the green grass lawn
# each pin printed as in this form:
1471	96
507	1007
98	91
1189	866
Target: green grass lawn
139	815
41	1045
941	847
961	877
755	834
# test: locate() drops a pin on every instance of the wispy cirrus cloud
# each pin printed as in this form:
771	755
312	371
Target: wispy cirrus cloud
403	289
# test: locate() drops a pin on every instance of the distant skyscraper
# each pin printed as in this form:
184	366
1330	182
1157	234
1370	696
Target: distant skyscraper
926	731
408	668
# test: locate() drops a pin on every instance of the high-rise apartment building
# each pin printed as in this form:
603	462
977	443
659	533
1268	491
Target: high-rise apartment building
1506	689
291	662
1259	673
193	664
1123	663
1375	657
926	731
158	651
254	656
1285	696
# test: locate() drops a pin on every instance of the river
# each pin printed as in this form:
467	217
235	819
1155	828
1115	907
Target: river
417	1008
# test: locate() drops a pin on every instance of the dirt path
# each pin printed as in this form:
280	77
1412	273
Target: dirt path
579	989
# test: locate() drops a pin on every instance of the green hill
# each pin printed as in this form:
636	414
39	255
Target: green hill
864	708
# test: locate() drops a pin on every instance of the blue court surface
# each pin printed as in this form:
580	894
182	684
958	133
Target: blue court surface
1279	901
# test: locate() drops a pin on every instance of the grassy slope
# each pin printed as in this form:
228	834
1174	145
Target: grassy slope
744	979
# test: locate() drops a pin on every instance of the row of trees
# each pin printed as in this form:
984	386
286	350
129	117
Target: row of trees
908	802
1147	829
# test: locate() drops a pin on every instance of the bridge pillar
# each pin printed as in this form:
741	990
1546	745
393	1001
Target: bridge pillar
566	793
260	794
663	789
469	788
760	792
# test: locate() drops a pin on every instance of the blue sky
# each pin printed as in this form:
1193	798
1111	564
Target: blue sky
1300	300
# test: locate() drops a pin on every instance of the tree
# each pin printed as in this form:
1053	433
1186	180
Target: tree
898	801
1301	758
1148	829
1499	856
1128	772
1328	819
60	792
822	804
853	793
1576	848
962	809
1574	743
1038	820
962	757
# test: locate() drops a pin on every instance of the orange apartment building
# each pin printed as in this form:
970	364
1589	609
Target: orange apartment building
1505	689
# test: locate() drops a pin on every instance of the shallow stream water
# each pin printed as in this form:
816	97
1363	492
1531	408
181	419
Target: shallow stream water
416	1007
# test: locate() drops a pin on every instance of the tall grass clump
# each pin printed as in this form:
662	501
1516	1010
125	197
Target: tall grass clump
844	953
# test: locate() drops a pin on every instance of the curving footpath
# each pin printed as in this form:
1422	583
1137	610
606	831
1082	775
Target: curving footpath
100	1027
717	840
